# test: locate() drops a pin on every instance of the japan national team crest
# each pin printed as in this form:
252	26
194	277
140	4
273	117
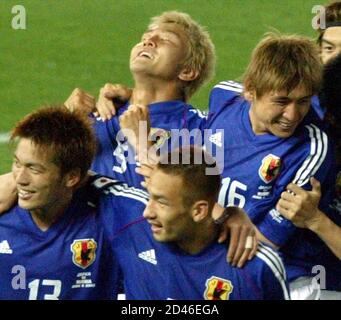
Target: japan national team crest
159	136
83	252
269	168
218	289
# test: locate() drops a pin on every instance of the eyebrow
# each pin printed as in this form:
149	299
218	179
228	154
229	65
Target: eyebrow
30	164
288	98
168	31
328	42
157	196
306	97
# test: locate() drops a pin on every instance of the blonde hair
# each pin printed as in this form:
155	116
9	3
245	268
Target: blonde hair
201	52
283	62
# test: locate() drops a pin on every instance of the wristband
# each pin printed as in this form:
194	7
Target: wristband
224	216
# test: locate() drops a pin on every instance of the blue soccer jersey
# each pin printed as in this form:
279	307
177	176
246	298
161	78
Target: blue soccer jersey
154	270
116	159
71	260
257	169
317	107
118	204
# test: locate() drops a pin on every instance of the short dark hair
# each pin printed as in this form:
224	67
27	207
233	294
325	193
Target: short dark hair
332	16
191	167
330	97
67	134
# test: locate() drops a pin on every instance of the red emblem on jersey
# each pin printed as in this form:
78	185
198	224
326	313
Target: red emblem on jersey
270	168
83	252
218	289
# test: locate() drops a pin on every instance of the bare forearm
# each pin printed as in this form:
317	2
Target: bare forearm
8	192
329	232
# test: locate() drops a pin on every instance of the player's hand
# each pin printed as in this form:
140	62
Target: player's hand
80	101
111	97
146	166
243	243
135	125
301	206
8	192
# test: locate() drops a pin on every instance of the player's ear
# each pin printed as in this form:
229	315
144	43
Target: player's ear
188	74
72	178
249	95
200	210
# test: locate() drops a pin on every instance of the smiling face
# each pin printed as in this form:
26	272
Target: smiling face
330	45
41	188
160	53
278	113
165	211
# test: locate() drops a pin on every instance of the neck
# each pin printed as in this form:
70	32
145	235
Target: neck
44	218
257	128
200	238
150	90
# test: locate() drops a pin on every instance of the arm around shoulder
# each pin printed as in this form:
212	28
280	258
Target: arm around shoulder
8	192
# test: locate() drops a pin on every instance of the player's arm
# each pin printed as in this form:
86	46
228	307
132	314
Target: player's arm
301	207
135	125
271	274
111	97
238	228
261	238
118	204
314	158
80	101
8	192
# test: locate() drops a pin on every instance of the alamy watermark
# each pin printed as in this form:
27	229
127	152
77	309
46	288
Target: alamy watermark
151	148
19	17
319	20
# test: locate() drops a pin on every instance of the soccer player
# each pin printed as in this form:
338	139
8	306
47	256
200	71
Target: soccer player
271	139
52	243
329	38
329	42
174	58
301	206
173	253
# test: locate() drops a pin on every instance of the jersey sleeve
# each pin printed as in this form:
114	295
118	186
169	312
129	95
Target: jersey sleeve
105	132
312	159
317	107
272	276
223	94
119	204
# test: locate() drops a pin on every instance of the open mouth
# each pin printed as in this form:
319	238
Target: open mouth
145	54
286	126
24	194
156	228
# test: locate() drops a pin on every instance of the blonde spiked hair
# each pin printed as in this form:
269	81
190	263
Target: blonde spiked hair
201	52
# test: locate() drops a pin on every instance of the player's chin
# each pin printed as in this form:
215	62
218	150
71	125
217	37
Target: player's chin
24	204
283	133
159	238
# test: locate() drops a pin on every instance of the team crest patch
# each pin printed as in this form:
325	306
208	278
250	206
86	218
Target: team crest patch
83	252
159	136
218	289
269	168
